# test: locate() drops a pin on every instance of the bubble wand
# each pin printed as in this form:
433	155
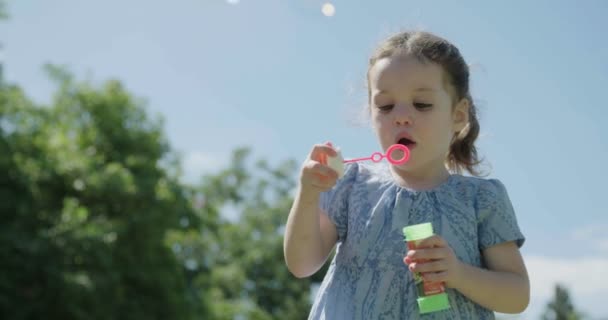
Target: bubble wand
378	156
337	162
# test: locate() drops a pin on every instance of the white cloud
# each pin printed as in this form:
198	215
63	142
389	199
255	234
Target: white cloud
593	235
585	278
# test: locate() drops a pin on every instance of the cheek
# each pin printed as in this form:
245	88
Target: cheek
379	118
381	129
376	121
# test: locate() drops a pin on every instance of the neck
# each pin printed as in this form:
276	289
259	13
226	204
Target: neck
421	179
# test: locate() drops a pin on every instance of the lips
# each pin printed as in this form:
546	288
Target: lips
405	139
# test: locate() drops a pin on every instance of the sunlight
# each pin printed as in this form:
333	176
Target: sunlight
328	10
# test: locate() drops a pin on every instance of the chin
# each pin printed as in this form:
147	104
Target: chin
406	167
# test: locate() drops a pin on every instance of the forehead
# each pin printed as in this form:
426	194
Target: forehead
403	72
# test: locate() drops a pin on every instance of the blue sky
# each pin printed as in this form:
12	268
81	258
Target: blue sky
279	76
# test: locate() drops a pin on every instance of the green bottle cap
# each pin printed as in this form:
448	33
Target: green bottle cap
418	231
436	302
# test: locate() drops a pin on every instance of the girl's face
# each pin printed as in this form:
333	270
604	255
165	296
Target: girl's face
410	105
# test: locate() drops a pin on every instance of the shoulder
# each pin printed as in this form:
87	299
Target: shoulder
479	192
489	196
479	187
491	190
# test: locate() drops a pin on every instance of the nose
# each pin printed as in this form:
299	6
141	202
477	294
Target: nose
403	115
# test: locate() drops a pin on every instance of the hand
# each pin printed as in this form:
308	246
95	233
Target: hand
435	260
316	175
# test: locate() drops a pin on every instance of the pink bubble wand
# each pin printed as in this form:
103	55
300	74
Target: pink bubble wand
378	156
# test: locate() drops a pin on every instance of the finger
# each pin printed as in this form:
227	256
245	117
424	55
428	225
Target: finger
324	180
427	254
321	174
432	241
434	266
324	184
323	158
319	169
441	276
322	149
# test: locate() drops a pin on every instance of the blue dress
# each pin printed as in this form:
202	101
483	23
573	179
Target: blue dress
367	278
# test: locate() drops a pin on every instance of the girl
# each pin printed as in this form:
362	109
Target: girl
418	96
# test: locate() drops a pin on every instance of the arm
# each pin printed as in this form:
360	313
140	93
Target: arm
309	234
503	287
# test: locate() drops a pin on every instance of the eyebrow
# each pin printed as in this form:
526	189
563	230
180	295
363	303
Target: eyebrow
425	89
421	89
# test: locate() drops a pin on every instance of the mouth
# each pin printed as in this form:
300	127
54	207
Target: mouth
406	141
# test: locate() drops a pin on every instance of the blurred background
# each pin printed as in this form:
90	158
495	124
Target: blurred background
149	150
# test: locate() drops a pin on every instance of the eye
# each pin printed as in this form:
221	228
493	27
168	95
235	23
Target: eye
422	106
386	108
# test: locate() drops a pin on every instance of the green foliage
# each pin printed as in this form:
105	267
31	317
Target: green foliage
3	11
95	223
85	209
561	307
248	277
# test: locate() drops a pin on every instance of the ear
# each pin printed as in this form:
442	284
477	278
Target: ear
460	115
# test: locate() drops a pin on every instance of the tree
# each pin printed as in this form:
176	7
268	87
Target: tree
248	278
88	197
98	225
3	11
561	307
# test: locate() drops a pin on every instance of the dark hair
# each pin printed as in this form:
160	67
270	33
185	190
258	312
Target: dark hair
428	47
